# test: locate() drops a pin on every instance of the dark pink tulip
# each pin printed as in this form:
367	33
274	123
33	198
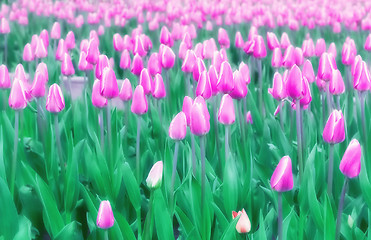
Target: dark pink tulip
321	84
167	58
213	76
308	48
41	51
217	61
28	54
4	77
38	86
145	80
34	41
298	56
186	108
332	49
70	40
158	87
245	72
61	50
55	101
96	98
182	50
103	62
282	180
55	33
240	88
125	60
44	36
187	40
108	87
17	97
238	40
320	47
252	32
189	61
154	65
278	90
226	113
336	83
200	118
83	64
128	45
67	68
288	59
178	127
105	217
126	92
139	47
308	71
307	96
225	82
356	65
139	104
249	118
368	43
272	41
137	65
334	128
362	81
277	58
198	68
223	38
348	54
259	47
4	26
165	36
93	51
295	83
325	67
84	44
118	43
350	164
249	47
204	86
20	74
209	47
285	41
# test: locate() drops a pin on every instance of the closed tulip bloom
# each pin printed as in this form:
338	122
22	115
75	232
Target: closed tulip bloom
34	41
139	47
348	54
320	47
108	87
96	98
55	33
126	92
137	65
249	118
154	179
336	83
40	51
204	86
243	225
139	104
178	127
307	96
259	47
213	76
182	50
308	48
186	108
226	113
187	40
308	71
356	65
125	60
295	83
28	54
165	36
105	217
118	43
158	87
167	58
55	101
272	41
61	50
288	58
70	40
146	81
83	64
362	81
44	36
93	52
200	118
20	73
223	38
285	41
17	97
276	58
4	77
103	62
298	56
334	128
350	164
154	65
245	72
67	68
240	88
128	45
282	180
4	26
38	86
238	40
225	82
217	61
368	43
332	49
278	90
199	50
198	68
209	47
189	61
325	67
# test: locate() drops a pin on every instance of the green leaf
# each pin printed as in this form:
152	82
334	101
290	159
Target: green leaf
131	186
70	231
329	220
230	232
164	225
261	233
8	213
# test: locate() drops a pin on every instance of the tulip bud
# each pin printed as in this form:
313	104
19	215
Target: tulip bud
332	49
182	50
259	47
139	47
28	54
154	65
272	41
56	31
223	38
217	61
288	58
240	88
336	83
137	65
307	96
4	77
285	41
20	73
213	76
308	48
125	60
139	104
245	72
126	92
66	66
61	50
277	58
198	68
348	54
200	120
105	217
209	47
282	179
40	51
238	40
189	61
320	47
44	36
38	86
93	52
96	98
225	82
178	127
146	81
55	101
204	86
308	71
154	179
226	113
362	81
368	43
350	164
295	83
118	43
356	65
243	225
298	56
278	91
158	87
186	108
108	87
167	58
17	96
249	118
165	36
83	64
70	40
334	128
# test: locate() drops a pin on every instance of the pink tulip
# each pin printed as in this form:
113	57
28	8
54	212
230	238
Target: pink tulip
334	128
126	92
4	26
217	61
158	87
308	71
199	117
308	48
145	80
44	36
67	66
276	58
105	217
187	107
350	164
154	65
83	64
178	127
108	87
332	49
198	68
223	38
41	51
368	43
288	59
307	96
336	83
295	83
204	86
55	101
362	81
38	86
125	60
240	88
282	180
139	104
272	41
238	40
103	62
17	96
348	54
285	41
243	225
20	73
4	77
118	43
245	72
137	65
259	47
154	179
55	33
28	54
320	47
298	56
96	98
249	118
213	76
70	40
61	50
93	52
325	67
167	58
139	47
165	36
182	50
356	65
226	113
189	61
278	90
209	47
187	40
225	82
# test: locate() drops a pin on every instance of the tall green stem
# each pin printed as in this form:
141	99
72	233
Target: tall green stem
226	138
148	222
175	161
280	216
329	98
216	128
6	48
281	114
193	154
203	174
139	221
59	146
15	149
138	149
362	102
340	208
260	88
109	136
100	120
330	170
298	131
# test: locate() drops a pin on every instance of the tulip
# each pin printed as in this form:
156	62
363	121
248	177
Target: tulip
67	68
137	65
146	81
187	107
189	61
28	55
139	47
108	87
55	33
167	58
223	38
368	43
285	41
288	59
93	51
272	41
348	54
41	51
126	91
182	50
209	47
158	87
325	67
5	30
308	48
295	83
55	101
362	81
278	91
308	72
238	40
154	65
217	61
154	179
320	47
276	58
84	65
332	49
243	225
125	60
336	86
97	99
225	82
118	43
4	77
259	47
298	56
204	86
105	217
61	50
38	86
165	36
249	118
240	88
226	113
245	72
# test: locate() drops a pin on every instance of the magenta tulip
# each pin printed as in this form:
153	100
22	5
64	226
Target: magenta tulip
282	180
178	127
350	164
126	92
334	128
139	104
96	98
55	101
105	217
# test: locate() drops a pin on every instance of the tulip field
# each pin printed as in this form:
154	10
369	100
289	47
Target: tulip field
185	119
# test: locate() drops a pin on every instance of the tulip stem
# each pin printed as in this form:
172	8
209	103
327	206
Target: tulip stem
330	170
106	234
216	128
226	137
148	224
203	174
109	135
340	207
298	132
138	149
362	102
242	125
175	160
193	154
260	81
58	141
40	118
69	85
100	120
323	109
6	48
281	115
338	102
329	100
279	215
139	221
14	159
187	82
